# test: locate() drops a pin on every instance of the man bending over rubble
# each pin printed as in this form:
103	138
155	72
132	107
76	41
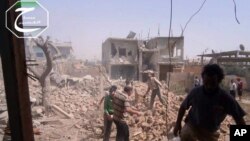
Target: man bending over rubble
120	106
154	85
209	106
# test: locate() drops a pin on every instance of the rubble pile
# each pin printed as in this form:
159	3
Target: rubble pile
77	115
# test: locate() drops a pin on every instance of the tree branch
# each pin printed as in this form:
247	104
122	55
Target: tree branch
235	12
189	20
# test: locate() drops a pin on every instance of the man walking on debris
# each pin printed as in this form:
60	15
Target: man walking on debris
120	106
108	113
154	85
209	106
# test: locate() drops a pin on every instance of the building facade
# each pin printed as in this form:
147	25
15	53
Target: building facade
130	58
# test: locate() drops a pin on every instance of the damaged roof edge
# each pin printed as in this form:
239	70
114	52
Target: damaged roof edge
135	40
162	37
226	53
121	39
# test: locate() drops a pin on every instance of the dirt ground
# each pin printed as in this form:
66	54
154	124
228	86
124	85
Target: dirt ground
245	103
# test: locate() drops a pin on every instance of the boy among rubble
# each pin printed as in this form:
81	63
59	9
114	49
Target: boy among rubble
209	106
154	85
120	106
108	113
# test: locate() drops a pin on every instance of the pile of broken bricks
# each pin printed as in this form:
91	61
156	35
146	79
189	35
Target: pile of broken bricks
75	114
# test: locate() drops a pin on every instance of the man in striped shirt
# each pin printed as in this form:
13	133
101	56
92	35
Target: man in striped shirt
120	106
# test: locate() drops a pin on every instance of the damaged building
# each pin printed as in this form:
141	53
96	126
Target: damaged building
120	57
65	50
129	58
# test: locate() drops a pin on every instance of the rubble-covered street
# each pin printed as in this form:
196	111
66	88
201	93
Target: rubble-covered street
76	116
124	70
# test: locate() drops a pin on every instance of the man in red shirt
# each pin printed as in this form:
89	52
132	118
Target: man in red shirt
239	88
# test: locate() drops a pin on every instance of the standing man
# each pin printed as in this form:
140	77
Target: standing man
108	113
120	106
239	88
128	82
209	106
233	88
154	85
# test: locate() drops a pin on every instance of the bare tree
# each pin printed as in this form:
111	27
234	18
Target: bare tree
43	77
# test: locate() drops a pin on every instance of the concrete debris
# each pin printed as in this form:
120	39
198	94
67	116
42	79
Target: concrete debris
32	100
83	119
75	114
88	77
4	115
38	111
57	109
3	120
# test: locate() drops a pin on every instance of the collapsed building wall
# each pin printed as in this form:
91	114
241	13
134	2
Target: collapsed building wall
162	54
142	55
123	71
119	57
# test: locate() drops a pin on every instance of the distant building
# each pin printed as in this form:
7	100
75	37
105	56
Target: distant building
64	48
235	57
129	58
120	57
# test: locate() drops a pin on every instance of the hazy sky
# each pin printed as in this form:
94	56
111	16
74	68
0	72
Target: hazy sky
87	23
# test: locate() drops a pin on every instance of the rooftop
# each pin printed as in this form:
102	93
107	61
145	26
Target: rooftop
226	53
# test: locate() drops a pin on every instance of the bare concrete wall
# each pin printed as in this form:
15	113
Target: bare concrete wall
161	43
119	51
124	72
182	80
130	48
105	53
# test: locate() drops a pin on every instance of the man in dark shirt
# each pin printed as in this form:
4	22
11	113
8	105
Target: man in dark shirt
209	107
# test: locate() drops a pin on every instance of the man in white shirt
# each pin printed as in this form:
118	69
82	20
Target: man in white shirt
233	88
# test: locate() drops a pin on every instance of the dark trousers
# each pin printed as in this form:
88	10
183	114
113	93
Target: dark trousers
153	95
232	93
122	131
239	92
107	128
